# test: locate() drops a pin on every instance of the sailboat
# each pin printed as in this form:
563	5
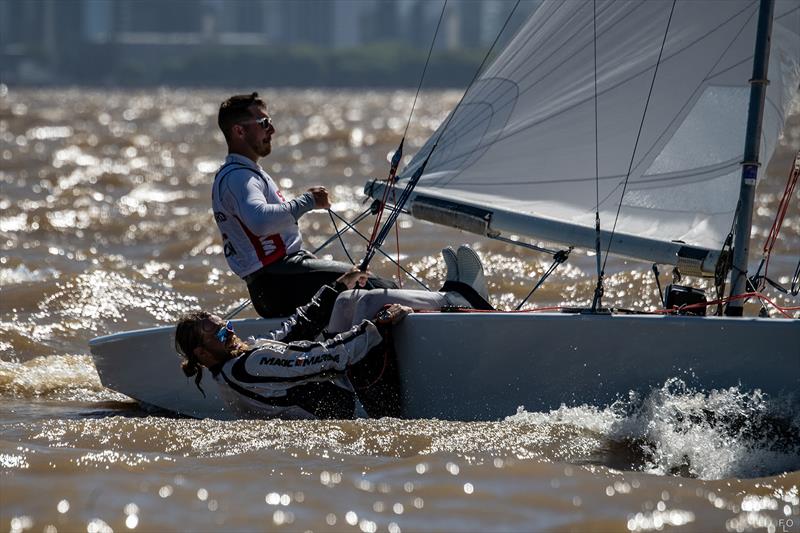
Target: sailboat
635	113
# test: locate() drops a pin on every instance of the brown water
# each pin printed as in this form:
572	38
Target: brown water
105	226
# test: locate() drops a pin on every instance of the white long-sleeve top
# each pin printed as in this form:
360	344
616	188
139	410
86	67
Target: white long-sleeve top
257	224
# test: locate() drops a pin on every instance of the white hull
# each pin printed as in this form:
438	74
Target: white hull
482	366
144	365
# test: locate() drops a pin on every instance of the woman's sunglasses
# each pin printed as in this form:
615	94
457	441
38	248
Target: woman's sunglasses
224	331
221	333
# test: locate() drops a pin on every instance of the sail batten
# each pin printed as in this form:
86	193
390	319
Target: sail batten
522	141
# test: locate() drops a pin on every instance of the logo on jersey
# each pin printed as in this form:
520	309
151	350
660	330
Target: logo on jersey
219	216
299	361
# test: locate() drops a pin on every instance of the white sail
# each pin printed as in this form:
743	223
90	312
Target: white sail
521	145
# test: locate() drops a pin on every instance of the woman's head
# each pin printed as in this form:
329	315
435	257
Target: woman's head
203	340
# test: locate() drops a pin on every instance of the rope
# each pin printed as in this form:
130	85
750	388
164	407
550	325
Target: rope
772	237
675	310
754	294
236	310
397	242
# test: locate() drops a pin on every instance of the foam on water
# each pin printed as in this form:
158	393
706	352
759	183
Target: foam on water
60	377
22	274
675	430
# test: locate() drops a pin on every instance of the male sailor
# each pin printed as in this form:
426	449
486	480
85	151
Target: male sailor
286	374
261	240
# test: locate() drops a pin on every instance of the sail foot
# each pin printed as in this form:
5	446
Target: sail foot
690	261
467	218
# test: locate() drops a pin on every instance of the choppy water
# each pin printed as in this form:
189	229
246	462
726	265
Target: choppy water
105	226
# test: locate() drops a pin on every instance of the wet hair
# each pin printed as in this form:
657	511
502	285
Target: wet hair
236	110
188	336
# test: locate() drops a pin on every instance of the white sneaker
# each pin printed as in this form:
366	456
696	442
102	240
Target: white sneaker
470	270
450	260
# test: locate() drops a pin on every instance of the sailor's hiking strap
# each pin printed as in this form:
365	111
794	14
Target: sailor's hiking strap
469	294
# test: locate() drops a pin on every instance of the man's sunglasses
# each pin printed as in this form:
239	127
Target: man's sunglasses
265	122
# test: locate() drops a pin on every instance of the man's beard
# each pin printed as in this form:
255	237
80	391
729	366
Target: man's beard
263	149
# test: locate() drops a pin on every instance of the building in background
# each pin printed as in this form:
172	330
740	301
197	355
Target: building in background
50	40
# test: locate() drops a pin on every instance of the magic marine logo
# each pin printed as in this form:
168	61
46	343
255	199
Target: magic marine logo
786	524
299	361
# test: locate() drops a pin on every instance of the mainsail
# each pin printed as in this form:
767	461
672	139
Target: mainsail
518	154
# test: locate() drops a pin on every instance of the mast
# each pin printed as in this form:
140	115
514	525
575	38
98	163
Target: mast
755	113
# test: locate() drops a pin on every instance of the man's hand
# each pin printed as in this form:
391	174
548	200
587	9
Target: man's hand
392	314
354	278
321	200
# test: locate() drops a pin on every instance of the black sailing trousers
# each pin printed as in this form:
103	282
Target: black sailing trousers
278	289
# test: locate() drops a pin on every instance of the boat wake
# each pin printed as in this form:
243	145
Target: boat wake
675	430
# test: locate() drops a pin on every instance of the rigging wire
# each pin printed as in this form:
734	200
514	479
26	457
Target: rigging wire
598	291
387	256
559	257
372	209
638	136
412	182
398	155
339	234
397	245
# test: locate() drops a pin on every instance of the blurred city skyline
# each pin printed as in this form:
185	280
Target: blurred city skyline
140	42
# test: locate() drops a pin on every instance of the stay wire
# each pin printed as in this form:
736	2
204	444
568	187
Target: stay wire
412	182
639	134
424	69
339	234
558	258
598	291
398	156
387	256
332	238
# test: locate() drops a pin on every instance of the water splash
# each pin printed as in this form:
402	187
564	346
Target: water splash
675	430
62	377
